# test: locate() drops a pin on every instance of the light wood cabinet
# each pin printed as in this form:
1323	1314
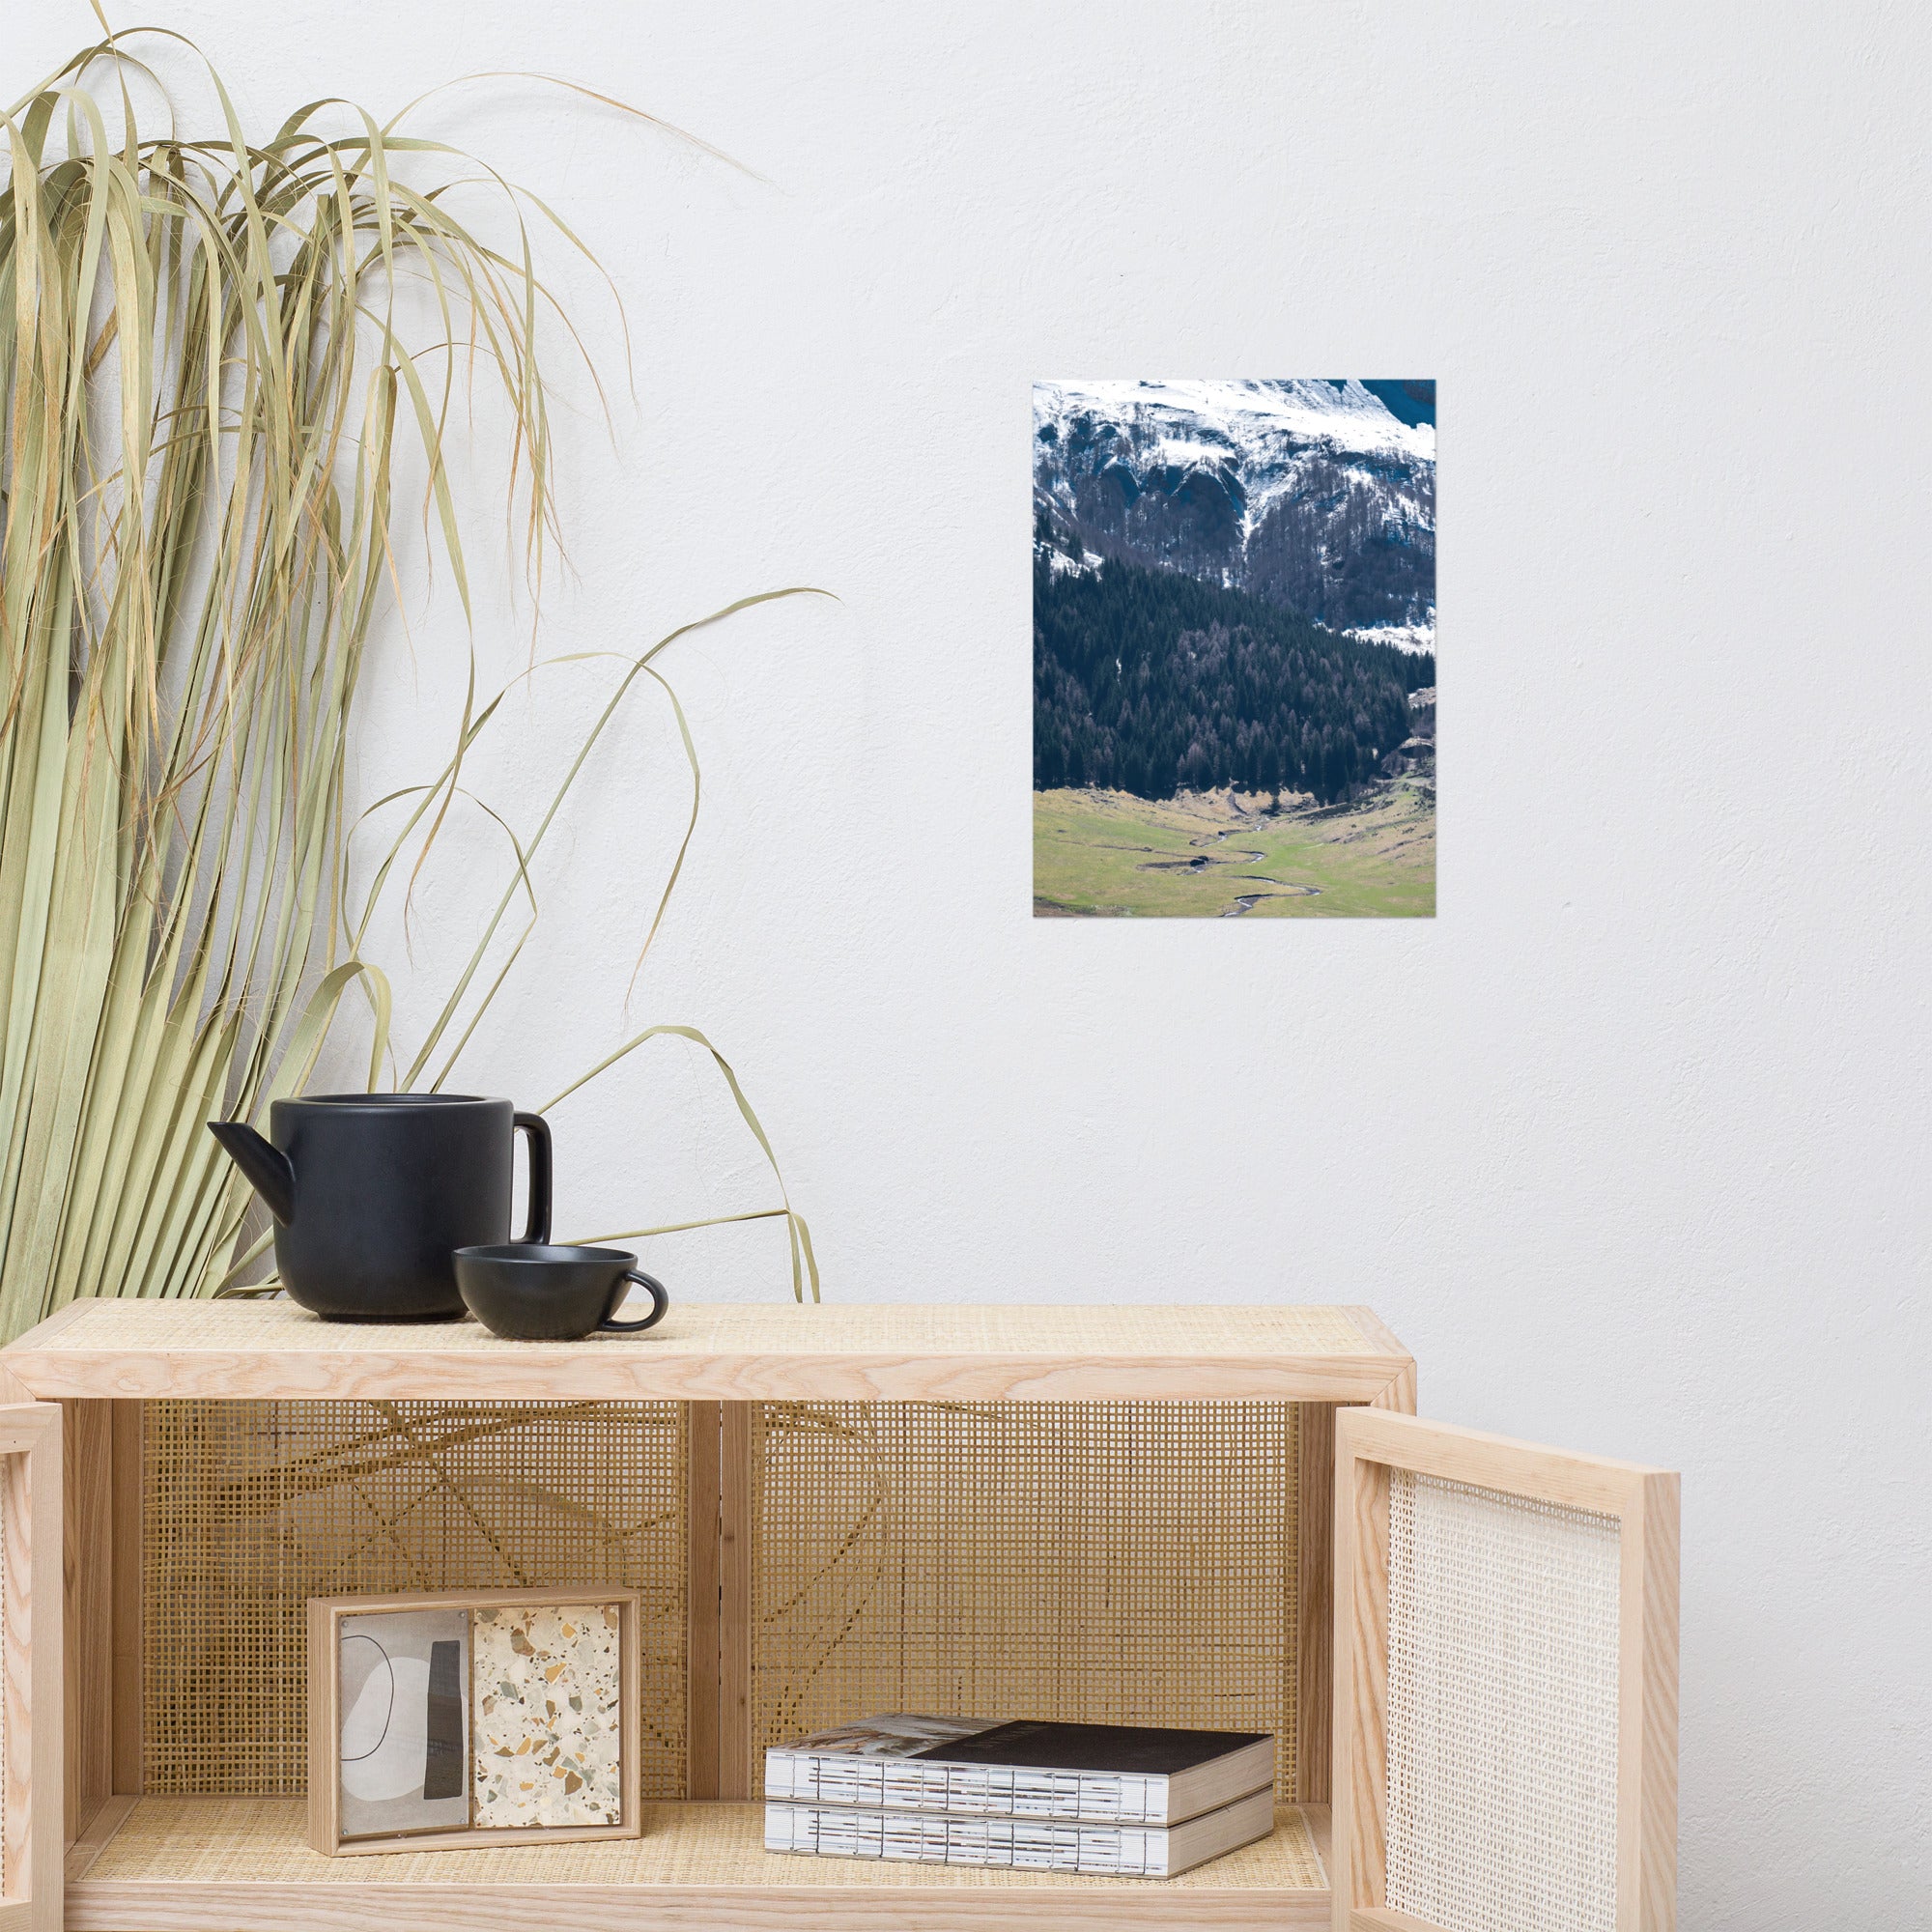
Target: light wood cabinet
1040	1500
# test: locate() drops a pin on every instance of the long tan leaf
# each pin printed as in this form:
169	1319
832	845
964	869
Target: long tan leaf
209	395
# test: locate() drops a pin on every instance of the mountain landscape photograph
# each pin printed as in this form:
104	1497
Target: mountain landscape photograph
1234	612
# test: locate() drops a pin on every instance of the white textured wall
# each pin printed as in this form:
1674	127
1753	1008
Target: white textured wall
1629	1144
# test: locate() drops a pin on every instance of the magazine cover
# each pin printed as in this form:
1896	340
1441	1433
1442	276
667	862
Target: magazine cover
898	1734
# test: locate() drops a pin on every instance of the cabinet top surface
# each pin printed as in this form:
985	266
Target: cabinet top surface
730	1351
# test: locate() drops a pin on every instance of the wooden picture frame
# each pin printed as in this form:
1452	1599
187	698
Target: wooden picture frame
1370	1445
325	1617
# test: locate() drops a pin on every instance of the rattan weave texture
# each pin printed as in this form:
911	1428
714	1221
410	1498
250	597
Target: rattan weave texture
1502	1709
250	1508
188	1840
1126	1562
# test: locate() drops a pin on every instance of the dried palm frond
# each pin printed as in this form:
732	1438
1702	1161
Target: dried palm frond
208	384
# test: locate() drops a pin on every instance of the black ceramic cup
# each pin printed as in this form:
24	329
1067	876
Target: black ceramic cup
530	1291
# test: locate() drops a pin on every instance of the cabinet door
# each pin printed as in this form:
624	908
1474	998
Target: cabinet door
1505	1685
30	1667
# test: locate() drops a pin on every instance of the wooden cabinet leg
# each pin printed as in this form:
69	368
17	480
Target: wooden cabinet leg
703	1450
129	1770
718	1583
1315	1653
736	1776
88	1569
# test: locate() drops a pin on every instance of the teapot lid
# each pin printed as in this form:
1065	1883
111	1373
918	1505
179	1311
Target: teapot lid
387	1100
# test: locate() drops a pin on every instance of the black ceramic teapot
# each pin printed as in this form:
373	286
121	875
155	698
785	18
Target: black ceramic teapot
373	1192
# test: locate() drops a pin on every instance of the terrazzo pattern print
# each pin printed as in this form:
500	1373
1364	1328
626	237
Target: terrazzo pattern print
548	1724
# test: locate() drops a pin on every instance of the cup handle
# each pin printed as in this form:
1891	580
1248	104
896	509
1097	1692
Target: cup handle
660	1301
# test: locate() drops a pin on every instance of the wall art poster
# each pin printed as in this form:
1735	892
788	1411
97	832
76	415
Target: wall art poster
1233	604
548	1716
405	1722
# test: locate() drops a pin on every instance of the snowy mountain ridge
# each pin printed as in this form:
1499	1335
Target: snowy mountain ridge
1315	495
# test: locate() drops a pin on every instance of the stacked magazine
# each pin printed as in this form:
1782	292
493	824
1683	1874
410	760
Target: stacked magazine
1116	1800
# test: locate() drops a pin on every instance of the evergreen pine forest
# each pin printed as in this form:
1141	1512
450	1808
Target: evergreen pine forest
1150	682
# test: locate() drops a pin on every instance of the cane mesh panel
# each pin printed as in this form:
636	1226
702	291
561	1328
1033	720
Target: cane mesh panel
250	1508
1502	1711
1099	1562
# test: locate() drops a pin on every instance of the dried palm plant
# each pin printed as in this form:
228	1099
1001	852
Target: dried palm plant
209	381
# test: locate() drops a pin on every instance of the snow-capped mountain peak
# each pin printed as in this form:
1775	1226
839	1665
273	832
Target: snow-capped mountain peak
1318	495
1249	413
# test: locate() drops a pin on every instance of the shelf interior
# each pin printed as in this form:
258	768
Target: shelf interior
208	1843
1129	1567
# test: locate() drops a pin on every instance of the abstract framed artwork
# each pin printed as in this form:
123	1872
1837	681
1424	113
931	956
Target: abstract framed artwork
472	1719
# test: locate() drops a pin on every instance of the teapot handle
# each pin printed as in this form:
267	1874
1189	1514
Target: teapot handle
537	1129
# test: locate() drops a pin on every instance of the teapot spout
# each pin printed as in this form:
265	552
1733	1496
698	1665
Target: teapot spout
266	1166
